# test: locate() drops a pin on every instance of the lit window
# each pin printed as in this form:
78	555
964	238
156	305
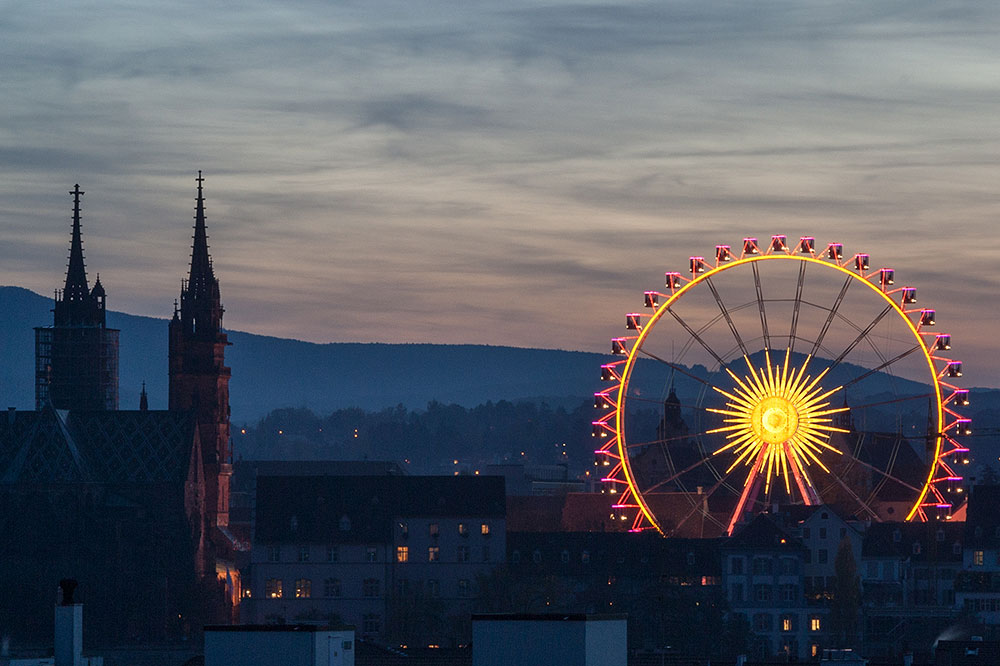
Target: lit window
303	553
463	529
371	554
814	650
303	588
331	587
272	588
402	553
484	529
463	553
977	558
370	587
814	623
786	623
434	529
433	554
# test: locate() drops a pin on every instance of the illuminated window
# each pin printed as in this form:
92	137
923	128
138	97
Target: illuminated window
433	588
977	558
434	529
484	529
463	587
433	554
463	529
787	623
371	554
402	553
815	624
370	587
303	553
463	553
272	588
303	588
814	650
331	587
274	553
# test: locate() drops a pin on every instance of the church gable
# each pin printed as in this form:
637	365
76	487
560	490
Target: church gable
35	447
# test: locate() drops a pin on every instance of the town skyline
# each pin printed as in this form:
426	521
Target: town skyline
377	176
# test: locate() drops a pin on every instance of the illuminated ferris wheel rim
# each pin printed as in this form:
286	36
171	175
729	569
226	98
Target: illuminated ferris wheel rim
856	268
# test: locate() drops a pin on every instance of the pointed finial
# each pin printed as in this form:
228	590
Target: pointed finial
143	399
76	273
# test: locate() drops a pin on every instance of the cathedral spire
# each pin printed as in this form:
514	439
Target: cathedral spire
202	276
76	290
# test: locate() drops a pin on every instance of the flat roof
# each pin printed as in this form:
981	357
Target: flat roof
303	628
549	617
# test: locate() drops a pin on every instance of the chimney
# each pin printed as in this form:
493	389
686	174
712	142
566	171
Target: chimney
69	626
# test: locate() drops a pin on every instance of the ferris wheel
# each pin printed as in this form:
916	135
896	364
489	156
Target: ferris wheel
780	375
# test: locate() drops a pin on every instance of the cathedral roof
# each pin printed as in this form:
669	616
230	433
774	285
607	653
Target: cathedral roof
58	446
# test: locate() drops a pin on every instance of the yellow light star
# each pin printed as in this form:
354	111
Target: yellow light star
778	423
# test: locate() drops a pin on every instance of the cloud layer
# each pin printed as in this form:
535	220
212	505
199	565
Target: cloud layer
513	173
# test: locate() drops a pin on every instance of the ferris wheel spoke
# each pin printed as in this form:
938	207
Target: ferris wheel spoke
906	398
701	504
760	306
697	338
883	366
676	475
797	304
728	316
861	336
877	470
665	440
831	316
675	366
855	497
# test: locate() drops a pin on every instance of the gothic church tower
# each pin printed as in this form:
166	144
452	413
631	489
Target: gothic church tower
199	378
76	359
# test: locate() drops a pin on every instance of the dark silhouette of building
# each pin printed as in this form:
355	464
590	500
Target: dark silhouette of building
134	504
76	359
199	378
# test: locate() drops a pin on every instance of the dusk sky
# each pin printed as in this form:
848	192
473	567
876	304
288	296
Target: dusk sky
505	173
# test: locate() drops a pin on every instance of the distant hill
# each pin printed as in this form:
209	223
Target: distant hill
269	373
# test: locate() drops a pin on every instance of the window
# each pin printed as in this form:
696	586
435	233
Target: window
345	523
370	587
736	592
585	557
371	623
433	554
486	553
956	548
404	530
331	587
762	592
402	553
332	554
303	588
762	622
402	587
371	554
939	535
564	557
823	556
303	553
272	588
463	588
815	624
789	566
690	559
434	530
814	650
515	557
433	588
463	553
822	533
897	536
484	529
806	532
977	558
916	547
536	557
463	530
762	565
274	553
735	565
788	623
